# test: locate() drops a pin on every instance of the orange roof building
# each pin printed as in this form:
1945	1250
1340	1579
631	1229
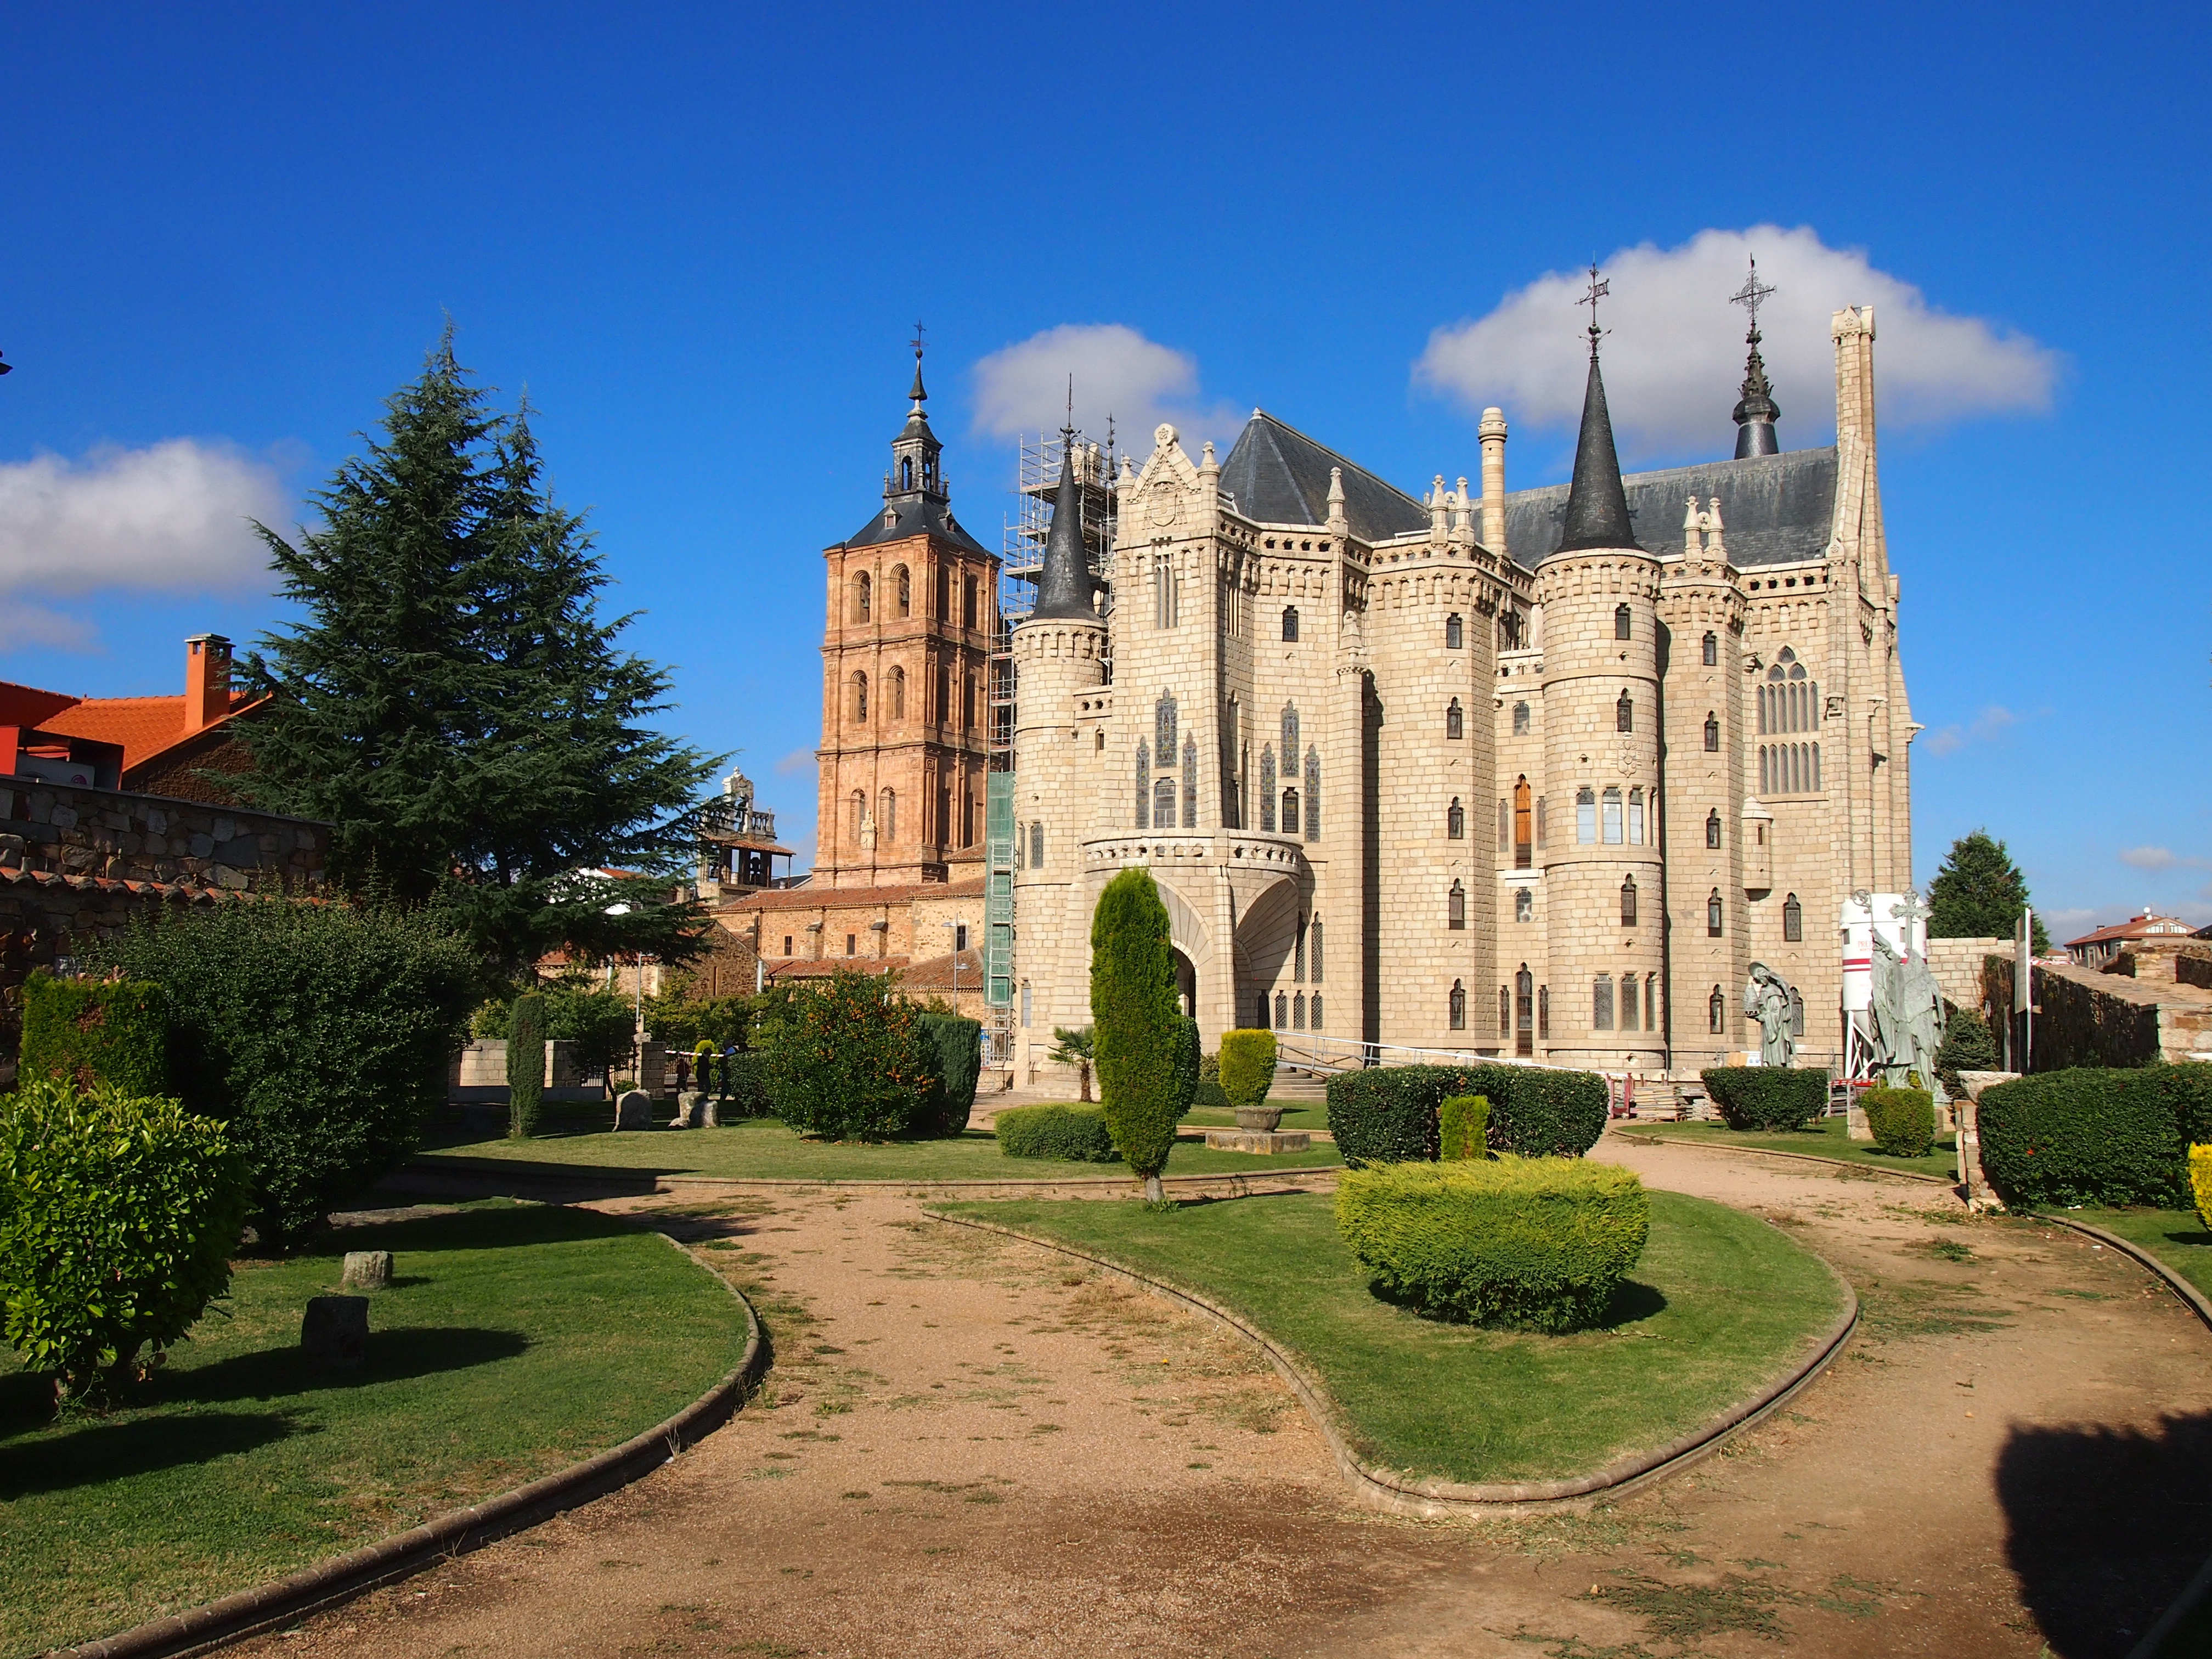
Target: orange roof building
148	746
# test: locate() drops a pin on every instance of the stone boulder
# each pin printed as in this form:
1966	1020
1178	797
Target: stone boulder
633	1111
367	1270
334	1336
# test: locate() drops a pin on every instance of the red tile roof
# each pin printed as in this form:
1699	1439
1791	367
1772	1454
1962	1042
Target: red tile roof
811	897
2143	926
145	727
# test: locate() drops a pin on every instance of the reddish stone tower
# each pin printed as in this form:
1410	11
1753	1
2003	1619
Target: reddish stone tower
912	605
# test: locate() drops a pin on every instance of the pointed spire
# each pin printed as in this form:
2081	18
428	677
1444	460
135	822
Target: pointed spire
1597	507
920	394
1064	585
1755	410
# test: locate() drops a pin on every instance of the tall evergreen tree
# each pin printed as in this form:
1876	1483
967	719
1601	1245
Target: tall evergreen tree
1139	1032
452	701
1979	893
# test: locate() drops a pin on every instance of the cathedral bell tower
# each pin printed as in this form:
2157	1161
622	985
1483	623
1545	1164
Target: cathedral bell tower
911	605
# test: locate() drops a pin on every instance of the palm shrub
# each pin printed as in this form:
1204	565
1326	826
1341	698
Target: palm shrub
849	1062
1075	1133
1140	1030
1540	1243
319	1033
1462	1123
1075	1047
2095	1135
117	1216
1902	1121
94	1031
525	1063
955	1045
1248	1066
1770	1097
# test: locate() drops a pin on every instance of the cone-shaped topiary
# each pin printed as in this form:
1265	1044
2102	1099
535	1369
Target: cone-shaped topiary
2200	1183
526	1062
96	1031
1138	1029
1248	1067
1463	1127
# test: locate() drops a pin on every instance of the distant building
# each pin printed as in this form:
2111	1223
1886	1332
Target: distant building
2095	950
141	745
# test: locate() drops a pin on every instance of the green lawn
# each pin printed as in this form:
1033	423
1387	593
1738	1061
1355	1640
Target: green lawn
1827	1139
514	1342
1720	1304
2176	1237
764	1149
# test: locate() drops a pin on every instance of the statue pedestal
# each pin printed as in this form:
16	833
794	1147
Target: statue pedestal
1259	1140
1855	1122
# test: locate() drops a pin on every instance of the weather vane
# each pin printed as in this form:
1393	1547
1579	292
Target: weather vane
1753	294
1598	289
917	342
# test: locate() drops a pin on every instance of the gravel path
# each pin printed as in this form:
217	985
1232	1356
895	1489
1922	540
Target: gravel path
971	1447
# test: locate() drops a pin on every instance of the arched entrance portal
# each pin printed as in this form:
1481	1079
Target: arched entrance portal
1186	984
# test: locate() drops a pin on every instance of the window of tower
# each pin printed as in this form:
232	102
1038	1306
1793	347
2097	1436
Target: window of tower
1628	902
1716	1011
1713	914
1455	721
898	694
1651	1002
1036	845
1164	727
906	472
859	810
966	702
1455	908
967	618
1622	625
1144	785
1267	788
1601	1003
1290	811
1542	840
1313	792
1282	1010
1523	845
1190	783
1455	635
1504	823
861	597
1624	714
905	585
1026	989
887	819
1298	1011
1635	816
944	693
1313	954
1712	733
1524	998
1504	1011
1520	720
1544	1013
1586	817
1456	821
1793	920
1164	804
1457	1009
1713	828
1612	827
1291	622
1712	651
1524	904
944	593
1628	1002
860	698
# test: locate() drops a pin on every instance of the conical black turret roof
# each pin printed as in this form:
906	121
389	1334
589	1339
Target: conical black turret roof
1064	585
1597	507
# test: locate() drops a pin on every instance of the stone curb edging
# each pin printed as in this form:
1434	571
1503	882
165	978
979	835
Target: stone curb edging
2191	1298
1776	1152
453	1534
581	1175
1433	1500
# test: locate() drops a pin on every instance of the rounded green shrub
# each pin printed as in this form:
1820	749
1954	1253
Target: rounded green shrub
1248	1066
1075	1133
1462	1127
1902	1121
525	1063
1539	1243
849	1062
2097	1135
118	1217
96	1031
1769	1097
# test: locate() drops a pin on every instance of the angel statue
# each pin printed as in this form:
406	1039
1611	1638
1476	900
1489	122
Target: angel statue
1767	998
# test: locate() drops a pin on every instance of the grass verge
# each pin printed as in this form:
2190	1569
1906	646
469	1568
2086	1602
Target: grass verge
2176	1237
1720	1305
1829	1137
515	1341
764	1149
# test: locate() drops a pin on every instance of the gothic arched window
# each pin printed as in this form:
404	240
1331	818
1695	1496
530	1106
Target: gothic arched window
887	816
1163	728
1164	804
1036	845
1190	783
1298	1011
1544	1013
1793	920
1612	830
1712	734
1712	658
1144	785
1290	740
1622	626
1586	817
859	806
1635	816
1282	1010
1312	794
1628	1002
1458	1005
1713	828
1520	720
1456	821
1524	904
898	694
1290	811
1504	1011
1455	721
862	596
1628	902
1524	849
1267	788
906	472
1624	714
1455	635
1313	957
905	591
1291	622
1717	1008
860	698
1601	1003
1713	914
1456	907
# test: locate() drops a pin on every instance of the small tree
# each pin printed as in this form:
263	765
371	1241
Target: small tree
525	1063
848	1061
1967	1047
1139	1027
1074	1048
1979	893
1248	1066
118	1217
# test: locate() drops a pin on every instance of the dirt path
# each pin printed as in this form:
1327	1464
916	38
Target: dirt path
970	1447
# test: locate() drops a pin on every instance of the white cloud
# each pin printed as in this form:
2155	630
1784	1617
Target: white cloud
797	761
1024	387
2162	858
170	518
1673	358
1985	728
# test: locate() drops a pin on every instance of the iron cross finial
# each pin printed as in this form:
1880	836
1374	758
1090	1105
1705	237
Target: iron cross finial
917	342
1753	294
1599	288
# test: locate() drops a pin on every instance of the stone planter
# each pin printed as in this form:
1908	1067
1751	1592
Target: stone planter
1265	1118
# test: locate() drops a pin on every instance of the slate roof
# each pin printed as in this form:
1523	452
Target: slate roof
1775	509
1277	475
916	514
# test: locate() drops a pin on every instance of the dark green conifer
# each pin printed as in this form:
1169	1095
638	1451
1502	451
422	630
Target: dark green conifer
1979	893
1144	1073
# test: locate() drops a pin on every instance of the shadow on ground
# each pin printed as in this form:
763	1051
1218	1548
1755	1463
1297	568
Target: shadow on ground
2107	1526
409	1350
99	1452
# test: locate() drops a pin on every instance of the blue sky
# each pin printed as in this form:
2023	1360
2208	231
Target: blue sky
700	237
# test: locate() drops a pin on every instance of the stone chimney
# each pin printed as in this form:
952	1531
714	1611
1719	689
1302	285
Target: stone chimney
207	681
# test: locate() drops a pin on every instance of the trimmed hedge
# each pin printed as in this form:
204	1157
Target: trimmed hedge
2200	1183
1461	1123
1767	1096
525	1063
2097	1135
1387	1113
95	1030
1540	1243
117	1218
955	1046
1902	1121
1208	1094
1075	1133
1248	1066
